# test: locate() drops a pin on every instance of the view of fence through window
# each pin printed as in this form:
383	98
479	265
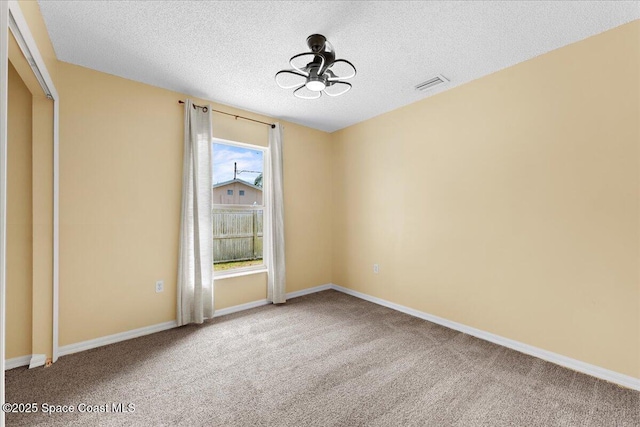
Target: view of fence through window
238	206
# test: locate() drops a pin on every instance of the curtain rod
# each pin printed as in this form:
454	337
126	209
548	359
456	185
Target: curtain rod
232	115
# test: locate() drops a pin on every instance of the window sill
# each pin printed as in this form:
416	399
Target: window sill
225	275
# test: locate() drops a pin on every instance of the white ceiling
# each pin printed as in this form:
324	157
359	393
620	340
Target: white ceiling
229	52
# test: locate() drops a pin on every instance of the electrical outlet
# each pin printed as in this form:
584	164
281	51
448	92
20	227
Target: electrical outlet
160	286
376	269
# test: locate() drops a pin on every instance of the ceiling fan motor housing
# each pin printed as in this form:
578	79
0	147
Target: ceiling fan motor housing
319	45
316	42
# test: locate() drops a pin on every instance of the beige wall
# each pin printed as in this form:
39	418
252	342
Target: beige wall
509	204
19	221
125	139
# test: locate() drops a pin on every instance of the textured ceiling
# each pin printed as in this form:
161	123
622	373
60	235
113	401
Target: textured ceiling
229	52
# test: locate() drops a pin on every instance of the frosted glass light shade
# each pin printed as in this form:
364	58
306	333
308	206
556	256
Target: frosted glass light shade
315	85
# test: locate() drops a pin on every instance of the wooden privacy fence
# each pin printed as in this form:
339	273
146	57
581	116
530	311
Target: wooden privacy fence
237	235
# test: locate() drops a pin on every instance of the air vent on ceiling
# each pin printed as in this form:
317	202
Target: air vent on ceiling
432	82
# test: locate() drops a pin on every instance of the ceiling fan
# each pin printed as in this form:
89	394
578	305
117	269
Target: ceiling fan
317	72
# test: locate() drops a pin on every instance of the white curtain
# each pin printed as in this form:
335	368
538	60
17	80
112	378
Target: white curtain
195	275
276	286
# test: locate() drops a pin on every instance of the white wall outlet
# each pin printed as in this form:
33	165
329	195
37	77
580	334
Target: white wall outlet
376	269
160	286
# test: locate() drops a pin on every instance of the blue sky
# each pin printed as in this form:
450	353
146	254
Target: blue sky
247	159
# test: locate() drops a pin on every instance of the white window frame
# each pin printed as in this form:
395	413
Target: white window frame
253	269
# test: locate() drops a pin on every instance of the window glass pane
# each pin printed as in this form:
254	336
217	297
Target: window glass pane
237	230
237	171
237	238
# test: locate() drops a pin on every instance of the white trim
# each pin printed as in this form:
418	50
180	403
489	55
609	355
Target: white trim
135	333
13	26
18	17
16	362
112	339
253	147
239	272
37	360
260	303
241	307
303	292
558	359
4	77
39	64
576	365
56	222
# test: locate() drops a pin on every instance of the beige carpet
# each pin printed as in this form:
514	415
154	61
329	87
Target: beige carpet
326	359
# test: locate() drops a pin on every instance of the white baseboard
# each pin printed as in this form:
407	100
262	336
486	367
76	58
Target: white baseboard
16	362
576	365
558	359
308	291
37	360
259	303
111	339
135	333
240	307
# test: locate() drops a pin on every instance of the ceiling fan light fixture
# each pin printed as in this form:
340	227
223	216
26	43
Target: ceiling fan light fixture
314	72
315	84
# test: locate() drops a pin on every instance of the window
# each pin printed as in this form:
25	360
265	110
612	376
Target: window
238	231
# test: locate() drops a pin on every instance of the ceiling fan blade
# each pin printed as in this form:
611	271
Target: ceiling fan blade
303	93
300	61
342	69
288	79
337	88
